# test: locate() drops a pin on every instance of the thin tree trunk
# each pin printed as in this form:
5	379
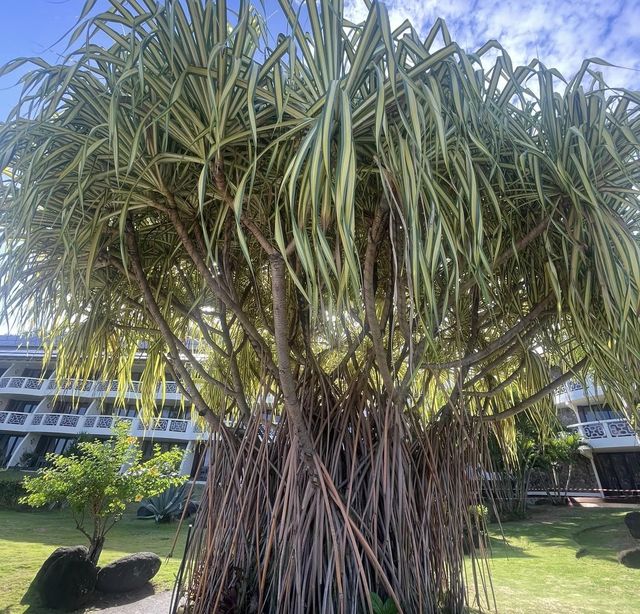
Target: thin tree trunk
95	548
236	378
566	486
167	334
287	381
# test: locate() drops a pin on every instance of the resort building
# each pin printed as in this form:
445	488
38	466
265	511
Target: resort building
38	417
611	444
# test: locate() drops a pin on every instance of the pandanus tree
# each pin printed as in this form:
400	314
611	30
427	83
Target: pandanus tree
357	250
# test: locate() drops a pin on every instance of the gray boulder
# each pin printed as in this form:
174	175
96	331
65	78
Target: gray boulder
128	573
632	520
630	558
66	579
75	551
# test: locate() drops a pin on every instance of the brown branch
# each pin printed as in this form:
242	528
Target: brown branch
538	396
256	340
153	309
474	329
194	314
233	366
498	360
373	238
499	387
534	233
285	376
221	185
197	366
497	344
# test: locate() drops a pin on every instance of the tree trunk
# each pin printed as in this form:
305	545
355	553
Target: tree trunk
95	548
387	516
287	382
565	494
345	496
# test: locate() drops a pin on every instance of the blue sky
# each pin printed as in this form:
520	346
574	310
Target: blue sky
560	33
30	28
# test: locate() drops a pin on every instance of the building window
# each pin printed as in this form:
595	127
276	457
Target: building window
20	405
129	411
8	445
171	412
619	473
37	373
165	446
53	445
69	407
593	413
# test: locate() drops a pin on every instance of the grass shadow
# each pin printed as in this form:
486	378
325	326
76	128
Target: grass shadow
501	548
604	541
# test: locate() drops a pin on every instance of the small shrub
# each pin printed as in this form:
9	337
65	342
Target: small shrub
11	491
474	533
479	512
166	506
75	449
100	479
28	460
382	607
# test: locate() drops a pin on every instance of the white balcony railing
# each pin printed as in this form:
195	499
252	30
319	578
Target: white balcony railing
575	390
167	428
86	388
23	383
616	433
11	419
74	424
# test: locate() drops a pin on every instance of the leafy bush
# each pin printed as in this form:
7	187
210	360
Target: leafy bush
28	460
167	505
11	491
556	452
75	449
382	607
98	482
479	512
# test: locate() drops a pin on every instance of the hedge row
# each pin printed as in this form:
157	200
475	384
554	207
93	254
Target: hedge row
10	492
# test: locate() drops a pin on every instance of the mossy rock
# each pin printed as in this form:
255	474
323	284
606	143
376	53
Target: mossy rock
632	520
67	579
630	558
128	573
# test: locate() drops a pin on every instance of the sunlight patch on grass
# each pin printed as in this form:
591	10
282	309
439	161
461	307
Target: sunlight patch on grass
534	564
27	539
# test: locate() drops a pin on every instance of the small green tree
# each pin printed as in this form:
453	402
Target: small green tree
556	453
513	458
100	479
532	448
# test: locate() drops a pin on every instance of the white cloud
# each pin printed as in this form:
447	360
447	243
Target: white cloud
560	33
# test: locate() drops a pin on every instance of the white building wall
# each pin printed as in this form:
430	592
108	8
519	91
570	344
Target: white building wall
44	422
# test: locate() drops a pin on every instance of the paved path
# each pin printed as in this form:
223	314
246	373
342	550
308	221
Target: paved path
133	603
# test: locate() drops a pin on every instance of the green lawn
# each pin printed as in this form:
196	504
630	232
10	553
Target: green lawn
535	571
27	538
